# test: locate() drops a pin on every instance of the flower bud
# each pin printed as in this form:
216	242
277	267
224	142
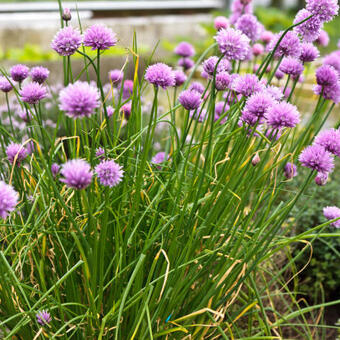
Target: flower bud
321	178
66	14
256	159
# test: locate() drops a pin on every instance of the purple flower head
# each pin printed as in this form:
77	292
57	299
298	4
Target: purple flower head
330	140
221	22
259	103
19	72
99	37
288	47
159	158
267	37
248	25
43	317
185	50
309	53
180	78
126	110
100	153
110	111
77	174
247	84
329	92
221	108
282	114
67	41
190	99
310	29
332	213
160	75
186	63
326	75
250	119
66	14
197	86
290	170
222	81
258	49
292	67
238	8
55	169
109	173
233	44
321	178
8	199
116	76
39	74
127	88
79	100
210	64
14	150
325	10
279	74
323	39
317	158
224	66
275	92
333	59
32	93
5	85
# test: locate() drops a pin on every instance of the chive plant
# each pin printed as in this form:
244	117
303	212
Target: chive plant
104	237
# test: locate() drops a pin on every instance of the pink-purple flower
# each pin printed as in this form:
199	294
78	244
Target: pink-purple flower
160	74
43	317
290	170
325	10
310	29
76	174
185	49
332	213
282	115
221	22
233	43
190	99
289	46
8	199
99	37
15	151
109	173
39	74
248	25
32	93
79	100
67	41
247	84
330	140
309	53
180	77
5	85
292	67
317	158
19	72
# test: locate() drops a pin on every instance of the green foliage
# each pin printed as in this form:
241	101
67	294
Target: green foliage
323	268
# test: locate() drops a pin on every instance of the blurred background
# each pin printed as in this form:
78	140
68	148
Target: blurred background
27	27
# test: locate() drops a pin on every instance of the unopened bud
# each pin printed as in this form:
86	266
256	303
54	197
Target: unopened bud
66	14
256	159
321	178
